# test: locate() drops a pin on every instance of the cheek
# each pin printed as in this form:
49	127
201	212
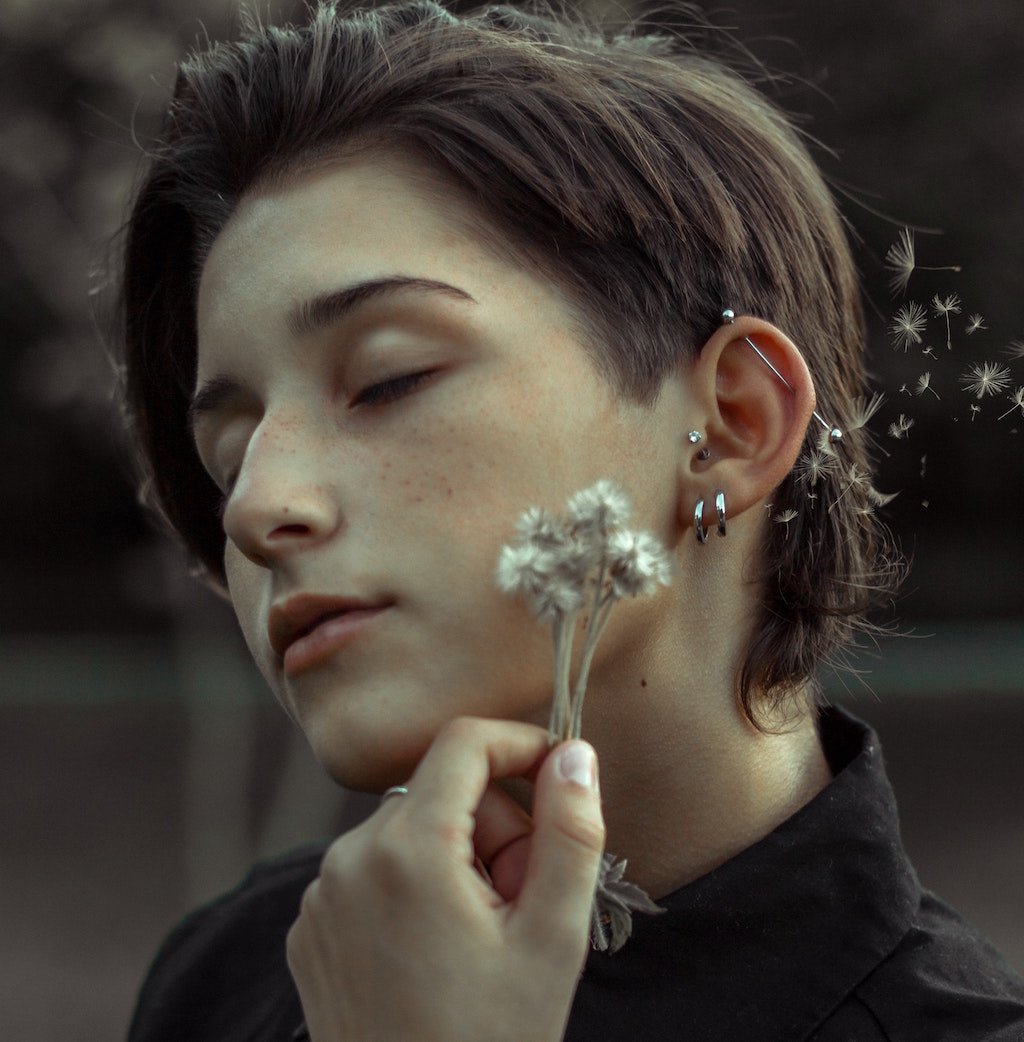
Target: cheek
244	590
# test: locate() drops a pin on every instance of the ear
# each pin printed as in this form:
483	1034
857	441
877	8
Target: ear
754	425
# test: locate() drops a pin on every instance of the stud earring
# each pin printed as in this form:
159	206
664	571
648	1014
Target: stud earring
704	453
694	437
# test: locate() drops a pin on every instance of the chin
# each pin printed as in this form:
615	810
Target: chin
367	758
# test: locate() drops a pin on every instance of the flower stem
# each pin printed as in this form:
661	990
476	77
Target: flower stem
598	621
560	706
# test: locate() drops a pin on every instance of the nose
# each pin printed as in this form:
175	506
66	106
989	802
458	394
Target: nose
282	500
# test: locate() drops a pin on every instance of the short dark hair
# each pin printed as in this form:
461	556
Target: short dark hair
649	179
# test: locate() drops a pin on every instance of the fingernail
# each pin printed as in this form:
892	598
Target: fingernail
577	763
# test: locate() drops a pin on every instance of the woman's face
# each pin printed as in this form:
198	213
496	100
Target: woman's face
401	495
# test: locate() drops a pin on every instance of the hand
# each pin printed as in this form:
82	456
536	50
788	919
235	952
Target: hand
402	939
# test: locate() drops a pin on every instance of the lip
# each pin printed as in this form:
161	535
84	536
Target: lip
306	628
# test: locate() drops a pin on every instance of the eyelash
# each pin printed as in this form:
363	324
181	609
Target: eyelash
391	390
377	394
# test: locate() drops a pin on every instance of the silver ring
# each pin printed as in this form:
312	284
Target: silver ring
698	522
720	510
395	790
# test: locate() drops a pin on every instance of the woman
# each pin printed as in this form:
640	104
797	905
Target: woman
392	278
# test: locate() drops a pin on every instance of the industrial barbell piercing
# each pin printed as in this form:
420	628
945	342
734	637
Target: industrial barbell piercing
834	433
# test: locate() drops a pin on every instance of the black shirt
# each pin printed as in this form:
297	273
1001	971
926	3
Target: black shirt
820	931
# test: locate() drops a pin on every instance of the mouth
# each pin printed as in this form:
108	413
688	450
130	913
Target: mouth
295	621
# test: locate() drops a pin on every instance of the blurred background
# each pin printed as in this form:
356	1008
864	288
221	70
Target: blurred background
143	764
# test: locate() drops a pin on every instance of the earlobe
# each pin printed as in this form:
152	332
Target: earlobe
758	399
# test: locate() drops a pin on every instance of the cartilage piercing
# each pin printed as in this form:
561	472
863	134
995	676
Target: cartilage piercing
834	433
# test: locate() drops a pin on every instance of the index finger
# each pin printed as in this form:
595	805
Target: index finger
465	756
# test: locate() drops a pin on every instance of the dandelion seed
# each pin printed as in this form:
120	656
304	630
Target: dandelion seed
976	322
784	518
901	427
880	499
857	479
924	383
637	563
975	409
813	466
943	309
947	306
1016	349
987	378
1018	402
863	410
902	262
904	389
929	351
908	324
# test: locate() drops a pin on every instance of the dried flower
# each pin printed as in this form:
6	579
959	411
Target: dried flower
924	383
542	529
637	563
987	378
616	900
1018	402
901	261
598	509
943	309
908	324
976	322
900	428
587	560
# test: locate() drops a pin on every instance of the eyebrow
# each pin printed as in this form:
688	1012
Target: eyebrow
315	314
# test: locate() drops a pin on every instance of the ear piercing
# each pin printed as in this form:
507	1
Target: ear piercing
694	437
698	517
834	433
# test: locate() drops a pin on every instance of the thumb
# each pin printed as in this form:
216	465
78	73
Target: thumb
565	850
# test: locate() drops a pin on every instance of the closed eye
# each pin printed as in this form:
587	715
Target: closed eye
391	390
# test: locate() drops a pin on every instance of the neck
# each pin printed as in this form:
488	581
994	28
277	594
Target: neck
687	782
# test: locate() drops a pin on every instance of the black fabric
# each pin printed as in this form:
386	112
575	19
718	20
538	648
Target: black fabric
819	932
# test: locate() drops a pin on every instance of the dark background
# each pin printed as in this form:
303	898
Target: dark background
143	764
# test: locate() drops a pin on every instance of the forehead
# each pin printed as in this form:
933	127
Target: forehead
355	219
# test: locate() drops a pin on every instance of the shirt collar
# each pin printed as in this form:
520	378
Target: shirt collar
767	944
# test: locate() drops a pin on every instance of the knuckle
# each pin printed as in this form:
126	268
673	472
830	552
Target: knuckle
583	830
463	729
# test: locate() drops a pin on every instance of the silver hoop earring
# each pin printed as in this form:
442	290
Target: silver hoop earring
720	511
698	522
